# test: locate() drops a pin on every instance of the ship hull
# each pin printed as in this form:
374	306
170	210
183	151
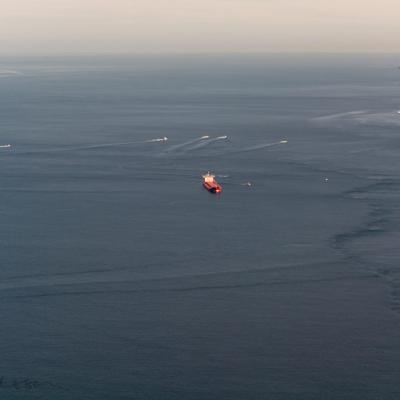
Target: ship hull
212	187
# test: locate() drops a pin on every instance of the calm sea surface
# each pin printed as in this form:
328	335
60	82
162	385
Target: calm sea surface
122	278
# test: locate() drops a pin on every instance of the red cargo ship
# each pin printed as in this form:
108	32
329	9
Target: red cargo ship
211	184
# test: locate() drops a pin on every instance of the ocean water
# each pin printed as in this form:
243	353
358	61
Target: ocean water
122	278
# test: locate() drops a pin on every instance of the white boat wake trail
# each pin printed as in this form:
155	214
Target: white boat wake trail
264	145
179	147
97	146
206	143
94	146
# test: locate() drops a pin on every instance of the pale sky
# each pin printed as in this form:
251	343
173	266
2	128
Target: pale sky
192	26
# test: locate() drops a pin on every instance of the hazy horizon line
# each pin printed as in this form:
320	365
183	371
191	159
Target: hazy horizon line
195	53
